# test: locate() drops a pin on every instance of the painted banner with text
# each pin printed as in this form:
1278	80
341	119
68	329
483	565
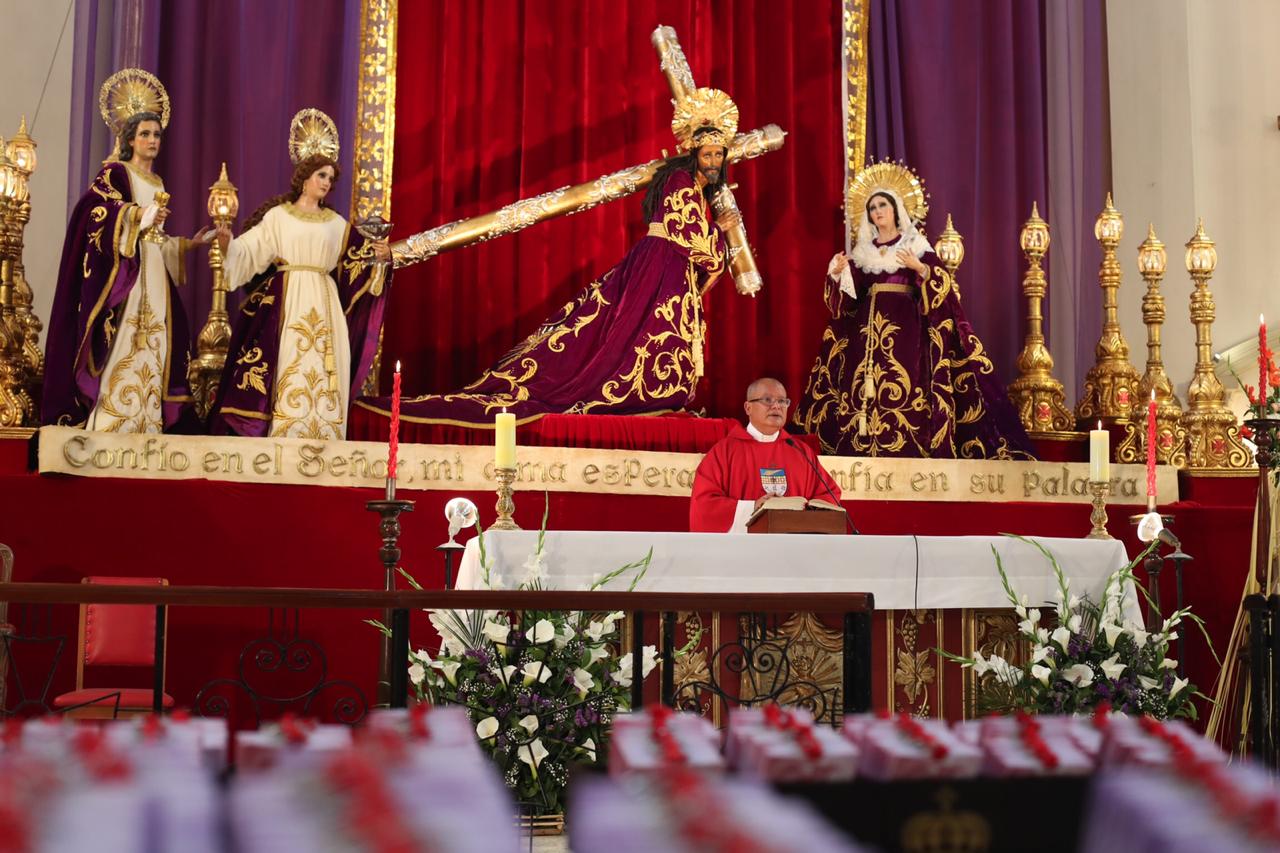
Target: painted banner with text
65	450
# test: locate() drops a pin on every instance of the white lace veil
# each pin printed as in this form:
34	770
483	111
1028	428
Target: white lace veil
867	255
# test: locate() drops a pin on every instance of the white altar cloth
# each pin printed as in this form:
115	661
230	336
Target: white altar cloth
902	572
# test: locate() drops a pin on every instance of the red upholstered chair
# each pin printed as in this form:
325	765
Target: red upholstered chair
116	635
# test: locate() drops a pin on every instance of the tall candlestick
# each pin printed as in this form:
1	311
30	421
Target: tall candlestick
504	440
1099	455
394	447
1151	452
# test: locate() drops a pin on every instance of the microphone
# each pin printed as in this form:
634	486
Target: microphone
1166	536
791	442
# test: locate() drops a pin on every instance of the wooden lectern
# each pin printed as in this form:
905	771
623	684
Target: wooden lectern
799	521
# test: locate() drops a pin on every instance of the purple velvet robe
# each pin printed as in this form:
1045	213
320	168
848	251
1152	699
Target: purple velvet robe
903	374
243	403
628	344
94	281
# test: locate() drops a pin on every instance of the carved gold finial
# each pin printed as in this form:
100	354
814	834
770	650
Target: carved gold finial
1213	436
1039	398
1110	387
950	248
1171	439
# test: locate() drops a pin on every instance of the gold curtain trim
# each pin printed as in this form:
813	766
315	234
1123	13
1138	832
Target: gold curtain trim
856	23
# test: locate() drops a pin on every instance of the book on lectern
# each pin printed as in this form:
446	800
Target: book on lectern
794	503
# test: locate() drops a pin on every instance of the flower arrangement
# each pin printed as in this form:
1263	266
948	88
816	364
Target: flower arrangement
1095	655
541	687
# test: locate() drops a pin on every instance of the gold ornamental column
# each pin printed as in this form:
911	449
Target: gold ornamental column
205	369
1213	436
16	407
1110	387
1039	398
1171	438
22	155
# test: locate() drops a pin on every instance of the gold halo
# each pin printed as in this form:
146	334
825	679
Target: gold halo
312	132
704	108
131	91
887	175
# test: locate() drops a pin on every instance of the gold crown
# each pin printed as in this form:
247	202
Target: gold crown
946	830
128	92
886	175
705	108
312	132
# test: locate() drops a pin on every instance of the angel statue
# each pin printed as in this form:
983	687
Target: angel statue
306	334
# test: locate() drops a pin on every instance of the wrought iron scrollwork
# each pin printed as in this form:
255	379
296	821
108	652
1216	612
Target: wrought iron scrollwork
282	671
768	663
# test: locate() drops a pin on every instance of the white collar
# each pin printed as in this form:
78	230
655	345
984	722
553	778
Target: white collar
759	436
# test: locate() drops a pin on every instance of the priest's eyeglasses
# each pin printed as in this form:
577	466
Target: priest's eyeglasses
770	402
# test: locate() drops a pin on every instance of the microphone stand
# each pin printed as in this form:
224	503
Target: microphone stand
791	442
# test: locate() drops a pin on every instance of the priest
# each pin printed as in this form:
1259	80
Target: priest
754	463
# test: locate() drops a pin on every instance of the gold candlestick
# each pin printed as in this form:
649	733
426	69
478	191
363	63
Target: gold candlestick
205	370
506	504
1039	398
21	152
1110	386
1171	438
1098	517
1213	436
16	406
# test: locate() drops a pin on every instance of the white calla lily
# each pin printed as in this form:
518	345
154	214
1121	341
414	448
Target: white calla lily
583	681
417	672
535	670
1041	673
1112	633
1148	683
487	728
529	724
496	632
589	747
1112	667
1061	636
1178	685
1081	675
542	632
532	754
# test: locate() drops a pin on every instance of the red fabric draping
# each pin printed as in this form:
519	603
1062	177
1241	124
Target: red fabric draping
670	433
197	532
503	99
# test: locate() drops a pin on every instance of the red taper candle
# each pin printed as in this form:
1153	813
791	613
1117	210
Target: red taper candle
1151	452
395	424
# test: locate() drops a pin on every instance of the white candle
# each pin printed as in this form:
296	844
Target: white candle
1099	455
504	440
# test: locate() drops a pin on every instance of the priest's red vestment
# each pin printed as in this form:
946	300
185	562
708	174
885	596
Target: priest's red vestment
731	472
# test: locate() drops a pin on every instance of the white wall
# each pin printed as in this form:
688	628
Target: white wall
1195	91
28	37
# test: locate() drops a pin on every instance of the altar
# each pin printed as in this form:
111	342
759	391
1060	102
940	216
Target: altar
932	593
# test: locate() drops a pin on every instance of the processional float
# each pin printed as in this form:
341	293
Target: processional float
689	102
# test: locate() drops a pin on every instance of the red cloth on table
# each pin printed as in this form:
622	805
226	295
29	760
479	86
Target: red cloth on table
730	472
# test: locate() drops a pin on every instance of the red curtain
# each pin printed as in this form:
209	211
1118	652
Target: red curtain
502	99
